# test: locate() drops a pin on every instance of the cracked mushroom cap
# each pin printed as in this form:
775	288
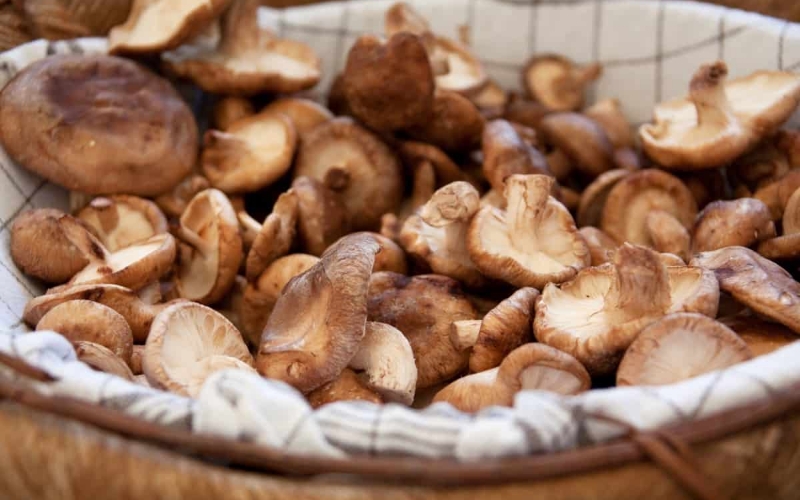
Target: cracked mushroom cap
40	248
304	114
102	359
322	216
261	294
719	120
639	193
678	347
385	363
357	165
230	110
120	220
601	246
156	25
532	242
173	203
111	127
347	386
210	248
187	343
608	114
437	233
593	198
84	320
758	283
456	124
506	154
248	60
580	138
722	223
389	85
506	327
528	367
558	82
762	337
275	237
250	154
596	316
309	350
423	307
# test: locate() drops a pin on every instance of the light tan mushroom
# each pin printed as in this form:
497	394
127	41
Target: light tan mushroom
742	222
174	202
529	367
580	138
667	234
304	114
506	154
385	363
156	25
437	233
102	359
275	237
596	316
678	347
423	308
120	220
531	243
719	120
593	198
558	82
187	343
787	245
250	154
248	60
348	386
210	248
390	257
601	246
309	350
230	110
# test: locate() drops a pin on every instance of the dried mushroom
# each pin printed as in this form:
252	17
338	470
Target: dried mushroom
230	110
385	363
743	222
112	127
445	170
304	114
593	198
345	387
601	246
14	29
558	82
608	114
64	19
762	337
581	139
322	216
174	202
120	221
275	237
787	245
102	359
667	234
506	154
455	125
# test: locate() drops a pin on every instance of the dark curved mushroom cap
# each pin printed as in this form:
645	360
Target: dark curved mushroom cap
456	124
581	139
506	154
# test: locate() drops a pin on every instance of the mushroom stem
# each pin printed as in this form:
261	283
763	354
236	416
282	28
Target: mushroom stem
239	27
107	213
707	92
464	333
195	241
526	199
640	285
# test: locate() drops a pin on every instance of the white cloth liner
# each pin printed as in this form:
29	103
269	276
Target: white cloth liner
649	50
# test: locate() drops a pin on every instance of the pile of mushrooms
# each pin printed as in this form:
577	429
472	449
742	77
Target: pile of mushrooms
427	237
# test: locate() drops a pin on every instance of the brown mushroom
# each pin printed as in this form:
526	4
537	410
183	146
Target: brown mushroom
791	214
101	358
580	138
248	60
136	359
187	343
357	165
156	25
639	193
250	154
309	350
385	363
63	19
601	246
446	171
304	114
608	114
230	110
531	243
787	245
526	112
390	257
210	248
174	202
322	216
455	125
719	120
347	386
93	322
743	222
678	347
276	236
120	221
667	233
759	167
529	367
558	82
491	100
762	337
14	29
423	187
113	127
423	307
593	198
506	154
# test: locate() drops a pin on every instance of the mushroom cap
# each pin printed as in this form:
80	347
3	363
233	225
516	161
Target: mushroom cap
248	60
389	85
461	71
558	82
261	294
311	349
230	110
525	112
437	233
531	243
373	184
727	223
503	329
250	154
791	214
759	283
601	246
322	216
456	124
39	247
385	361
102	359
506	154
390	257
93	322
211	248
596	316
760	166
582	139
173	203
112	127
786	246
59	19
608	114
304	114
679	347
762	337
156	25
446	171
632	198
187	343
593	199
423	307
347	386
667	233
491	100
719	120
277	235
528	367
120	220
